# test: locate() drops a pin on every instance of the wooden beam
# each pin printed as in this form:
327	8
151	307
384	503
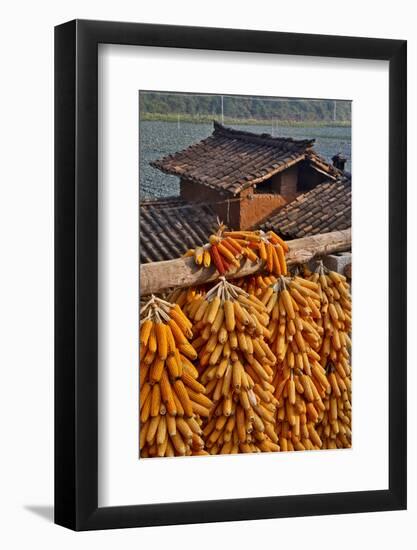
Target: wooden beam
159	276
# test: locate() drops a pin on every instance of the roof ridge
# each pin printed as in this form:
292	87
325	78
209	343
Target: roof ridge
267	139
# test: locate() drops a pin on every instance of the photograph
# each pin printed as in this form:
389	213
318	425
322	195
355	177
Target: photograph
245	267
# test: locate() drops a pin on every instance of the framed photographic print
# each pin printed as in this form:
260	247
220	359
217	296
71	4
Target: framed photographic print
230	275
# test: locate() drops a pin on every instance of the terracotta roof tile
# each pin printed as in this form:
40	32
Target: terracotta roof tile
168	227
325	208
232	159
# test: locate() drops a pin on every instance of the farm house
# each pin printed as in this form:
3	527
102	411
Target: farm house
248	181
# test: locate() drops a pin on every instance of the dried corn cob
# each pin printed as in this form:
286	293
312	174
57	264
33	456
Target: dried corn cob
222	252
299	381
266	247
256	284
226	249
172	401
335	425
235	368
184	297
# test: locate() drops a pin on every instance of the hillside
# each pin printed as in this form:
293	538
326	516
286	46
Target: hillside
167	106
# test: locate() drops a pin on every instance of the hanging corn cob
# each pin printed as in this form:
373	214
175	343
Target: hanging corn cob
185	297
235	366
335	321
267	247
299	382
226	249
336	424
221	251
172	401
256	284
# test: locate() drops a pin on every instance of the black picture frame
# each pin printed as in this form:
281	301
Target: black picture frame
76	272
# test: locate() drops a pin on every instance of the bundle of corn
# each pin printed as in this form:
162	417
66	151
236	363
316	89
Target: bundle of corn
256	284
222	251
336	322
336	423
235	365
172	401
300	382
185	297
267	247
225	250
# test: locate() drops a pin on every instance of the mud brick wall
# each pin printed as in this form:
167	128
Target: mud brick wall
256	208
229	213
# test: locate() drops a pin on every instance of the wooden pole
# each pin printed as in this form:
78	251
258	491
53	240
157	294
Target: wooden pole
159	276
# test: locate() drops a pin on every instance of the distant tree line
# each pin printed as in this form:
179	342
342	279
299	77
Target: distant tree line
244	107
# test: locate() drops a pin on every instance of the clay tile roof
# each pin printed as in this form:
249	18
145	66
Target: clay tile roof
169	226
325	208
232	160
